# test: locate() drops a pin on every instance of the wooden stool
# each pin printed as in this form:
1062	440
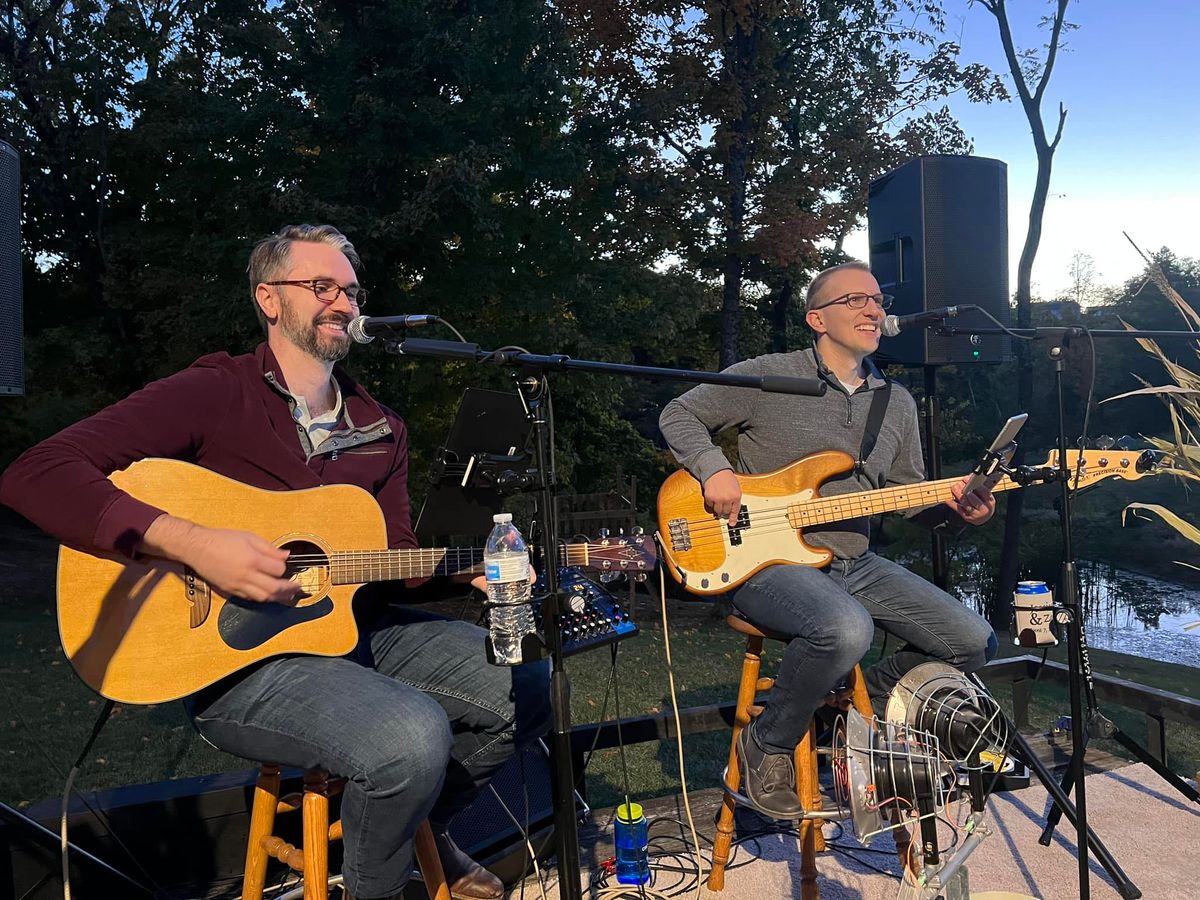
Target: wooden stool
811	838
313	859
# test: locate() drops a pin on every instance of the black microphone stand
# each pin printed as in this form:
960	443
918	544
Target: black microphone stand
1068	612
532	383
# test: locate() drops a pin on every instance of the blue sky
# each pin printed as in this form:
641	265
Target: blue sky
1129	159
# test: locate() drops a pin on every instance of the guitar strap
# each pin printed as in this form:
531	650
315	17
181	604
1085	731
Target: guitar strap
875	415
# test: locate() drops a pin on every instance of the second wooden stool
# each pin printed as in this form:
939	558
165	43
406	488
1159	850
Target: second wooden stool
811	838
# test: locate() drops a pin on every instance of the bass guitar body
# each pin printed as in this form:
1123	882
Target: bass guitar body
709	556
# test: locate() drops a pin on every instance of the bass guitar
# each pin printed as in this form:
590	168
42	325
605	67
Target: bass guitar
707	555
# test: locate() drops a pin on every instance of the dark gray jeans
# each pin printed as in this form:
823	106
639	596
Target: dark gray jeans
417	733
831	613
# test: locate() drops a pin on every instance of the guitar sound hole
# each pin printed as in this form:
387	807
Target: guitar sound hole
308	566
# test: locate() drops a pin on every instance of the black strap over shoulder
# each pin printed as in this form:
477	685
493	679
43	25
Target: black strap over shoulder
875	416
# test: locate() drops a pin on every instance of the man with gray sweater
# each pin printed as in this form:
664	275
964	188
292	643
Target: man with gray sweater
830	612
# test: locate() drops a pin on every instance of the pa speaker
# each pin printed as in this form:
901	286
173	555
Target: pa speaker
488	831
938	233
12	362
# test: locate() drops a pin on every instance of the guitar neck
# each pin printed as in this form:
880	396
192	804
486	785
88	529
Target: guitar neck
840	507
363	566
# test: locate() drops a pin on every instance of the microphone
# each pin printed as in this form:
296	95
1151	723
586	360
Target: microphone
363	329
893	325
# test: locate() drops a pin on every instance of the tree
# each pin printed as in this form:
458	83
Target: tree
769	119
447	140
1083	278
1031	76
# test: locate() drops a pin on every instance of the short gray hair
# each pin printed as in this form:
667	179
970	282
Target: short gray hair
271	255
815	286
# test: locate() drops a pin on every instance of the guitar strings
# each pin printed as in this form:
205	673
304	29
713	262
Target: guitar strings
339	556
807	508
804	508
710	531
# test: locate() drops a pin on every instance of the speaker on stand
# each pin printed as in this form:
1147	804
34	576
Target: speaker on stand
938	233
937	227
12	356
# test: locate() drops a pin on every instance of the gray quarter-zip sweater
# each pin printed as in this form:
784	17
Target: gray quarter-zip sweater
776	429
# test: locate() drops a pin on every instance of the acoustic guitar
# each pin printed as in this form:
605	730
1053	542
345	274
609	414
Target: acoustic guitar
153	630
707	555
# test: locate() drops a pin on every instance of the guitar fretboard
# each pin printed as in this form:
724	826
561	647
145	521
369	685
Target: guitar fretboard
362	566
838	508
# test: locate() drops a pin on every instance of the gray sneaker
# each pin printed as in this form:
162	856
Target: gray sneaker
768	779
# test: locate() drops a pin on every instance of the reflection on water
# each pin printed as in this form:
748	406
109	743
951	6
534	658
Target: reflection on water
1139	614
1135	614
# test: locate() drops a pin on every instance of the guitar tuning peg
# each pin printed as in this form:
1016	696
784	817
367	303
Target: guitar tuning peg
1104	442
639	577
603	532
638	531
1126	441
621	532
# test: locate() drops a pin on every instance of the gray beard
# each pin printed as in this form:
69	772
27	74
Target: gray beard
305	336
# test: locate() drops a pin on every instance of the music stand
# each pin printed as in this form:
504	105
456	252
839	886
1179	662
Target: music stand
486	441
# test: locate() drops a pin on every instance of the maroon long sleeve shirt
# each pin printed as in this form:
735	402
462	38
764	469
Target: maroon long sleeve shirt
230	414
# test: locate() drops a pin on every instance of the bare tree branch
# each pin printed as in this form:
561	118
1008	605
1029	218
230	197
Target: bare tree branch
1062	120
1052	52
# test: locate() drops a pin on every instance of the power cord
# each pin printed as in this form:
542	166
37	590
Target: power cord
524	834
99	815
687	804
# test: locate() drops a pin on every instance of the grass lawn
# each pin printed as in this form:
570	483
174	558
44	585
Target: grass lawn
47	713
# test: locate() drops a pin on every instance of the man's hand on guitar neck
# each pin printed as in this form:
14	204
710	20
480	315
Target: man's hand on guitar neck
235	563
723	495
975	507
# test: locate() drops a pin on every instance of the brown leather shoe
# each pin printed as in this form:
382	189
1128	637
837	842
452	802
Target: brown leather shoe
468	880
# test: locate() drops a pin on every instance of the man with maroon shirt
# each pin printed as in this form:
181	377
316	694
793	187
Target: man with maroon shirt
414	717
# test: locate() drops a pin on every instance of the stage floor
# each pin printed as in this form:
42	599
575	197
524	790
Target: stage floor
1151	830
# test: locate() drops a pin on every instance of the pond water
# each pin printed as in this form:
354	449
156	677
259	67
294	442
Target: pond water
1138	614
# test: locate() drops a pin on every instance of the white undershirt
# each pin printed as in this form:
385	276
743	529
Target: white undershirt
324	425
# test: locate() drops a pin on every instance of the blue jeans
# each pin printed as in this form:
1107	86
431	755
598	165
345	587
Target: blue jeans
416	733
830	615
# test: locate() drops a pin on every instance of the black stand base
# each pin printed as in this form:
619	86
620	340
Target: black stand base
1063	804
38	835
1142	754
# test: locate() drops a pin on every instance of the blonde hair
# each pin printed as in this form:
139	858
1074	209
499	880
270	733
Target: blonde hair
270	256
815	286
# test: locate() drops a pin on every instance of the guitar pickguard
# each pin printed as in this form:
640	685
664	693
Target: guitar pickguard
244	624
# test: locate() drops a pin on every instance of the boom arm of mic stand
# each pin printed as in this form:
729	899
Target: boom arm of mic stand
777	384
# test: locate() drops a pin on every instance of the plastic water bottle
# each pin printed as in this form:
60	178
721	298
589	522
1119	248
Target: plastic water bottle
506	568
632	836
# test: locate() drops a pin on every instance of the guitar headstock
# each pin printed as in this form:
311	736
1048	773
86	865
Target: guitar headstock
1090	466
634	554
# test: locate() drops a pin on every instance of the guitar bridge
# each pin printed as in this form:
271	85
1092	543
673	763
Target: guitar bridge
681	536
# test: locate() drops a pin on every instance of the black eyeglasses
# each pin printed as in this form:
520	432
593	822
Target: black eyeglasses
858	301
327	290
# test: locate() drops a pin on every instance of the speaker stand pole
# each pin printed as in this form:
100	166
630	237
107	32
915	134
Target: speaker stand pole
941	564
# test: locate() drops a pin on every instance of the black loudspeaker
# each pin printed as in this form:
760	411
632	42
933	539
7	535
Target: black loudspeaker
12	357
485	830
938	232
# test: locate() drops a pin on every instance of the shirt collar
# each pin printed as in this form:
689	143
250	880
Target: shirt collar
874	379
